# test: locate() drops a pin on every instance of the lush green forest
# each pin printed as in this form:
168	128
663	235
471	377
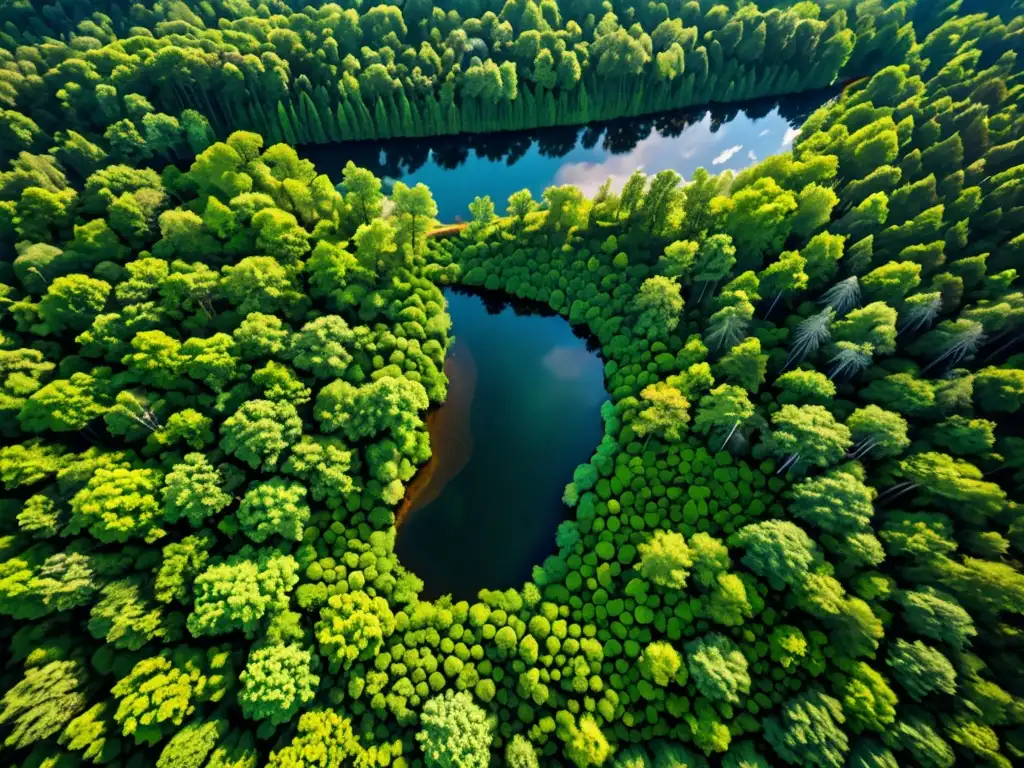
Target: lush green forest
303	74
799	541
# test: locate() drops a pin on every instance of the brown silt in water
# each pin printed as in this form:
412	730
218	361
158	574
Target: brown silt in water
451	440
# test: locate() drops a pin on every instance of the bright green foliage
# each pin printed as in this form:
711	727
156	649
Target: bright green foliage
235	751
324	739
35	583
42	702
784	276
385	404
919	737
276	507
118	504
520	204
93	733
352	627
665	414
873	325
236	342
809	433
665	559
821	256
710	558
777	549
658	305
192	490
837	502
192	744
585	744
277	681
279	382
182	561
40	517
189	427
259	284
805	387
63	405
964	436
728	326
324	465
723	410
788	645
715	259
678	258
867	699
238	593
127	617
161	691
362	192
260	431
999	390
260	335
744	365
808	731
891	282
938	616
414	209
520	753
957	482
730	603
878	432
660	663
921	670
320	347
71	302
718	668
454	732
211	362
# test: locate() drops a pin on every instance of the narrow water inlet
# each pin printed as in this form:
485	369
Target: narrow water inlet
523	410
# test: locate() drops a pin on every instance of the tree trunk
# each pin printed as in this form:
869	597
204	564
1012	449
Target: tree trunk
910	487
789	463
731	433
995	352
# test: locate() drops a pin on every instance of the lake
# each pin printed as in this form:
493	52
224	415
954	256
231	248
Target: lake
458	168
525	395
523	410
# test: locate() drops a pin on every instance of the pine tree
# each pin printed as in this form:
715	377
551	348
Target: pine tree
287	130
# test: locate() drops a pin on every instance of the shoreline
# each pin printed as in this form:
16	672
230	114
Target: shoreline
451	436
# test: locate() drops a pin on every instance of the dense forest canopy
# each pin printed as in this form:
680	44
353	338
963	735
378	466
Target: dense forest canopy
322	73
799	541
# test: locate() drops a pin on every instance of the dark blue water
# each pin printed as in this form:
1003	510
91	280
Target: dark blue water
458	168
523	411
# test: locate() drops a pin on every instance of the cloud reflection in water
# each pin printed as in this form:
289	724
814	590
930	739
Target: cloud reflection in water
705	142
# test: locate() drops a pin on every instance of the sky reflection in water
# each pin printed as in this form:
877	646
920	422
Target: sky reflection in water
458	168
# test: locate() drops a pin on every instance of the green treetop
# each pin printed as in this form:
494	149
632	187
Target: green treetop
454	732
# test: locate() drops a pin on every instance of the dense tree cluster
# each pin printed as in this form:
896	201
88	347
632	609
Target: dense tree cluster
133	80
798	542
212	382
823	333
